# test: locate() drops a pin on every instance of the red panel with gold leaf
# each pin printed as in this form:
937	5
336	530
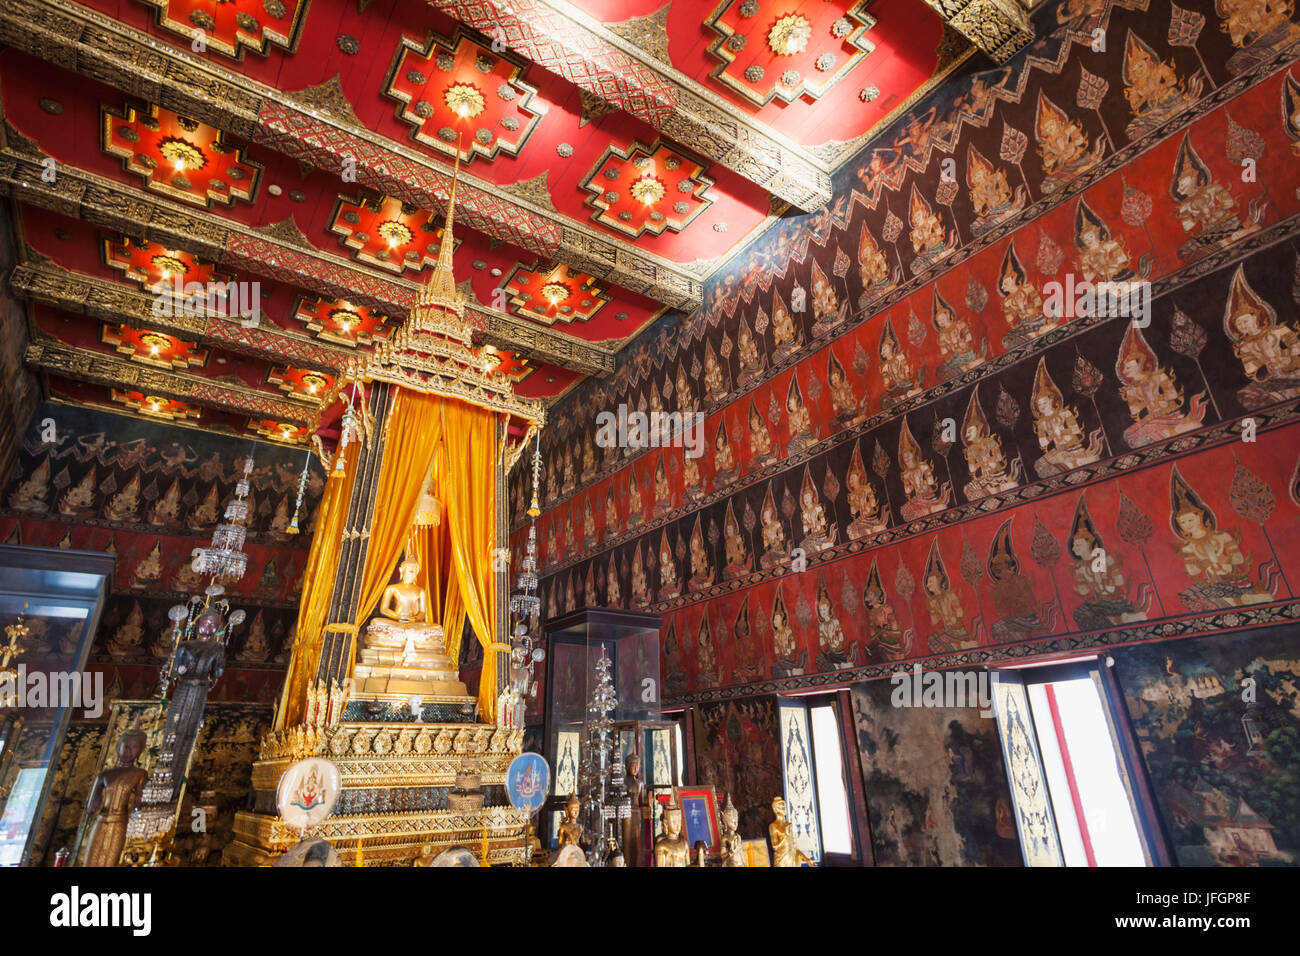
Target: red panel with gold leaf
454	90
508	364
279	431
305	383
337	320
230	26
154	406
773	48
178	156
154	266
551	293
647	188
387	232
153	348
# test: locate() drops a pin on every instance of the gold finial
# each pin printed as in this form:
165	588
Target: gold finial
439	295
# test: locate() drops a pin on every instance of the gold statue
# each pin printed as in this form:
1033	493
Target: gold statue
571	832
784	850
114	794
733	847
671	848
402	653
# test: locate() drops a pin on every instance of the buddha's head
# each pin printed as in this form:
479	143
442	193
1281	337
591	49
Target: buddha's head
408	570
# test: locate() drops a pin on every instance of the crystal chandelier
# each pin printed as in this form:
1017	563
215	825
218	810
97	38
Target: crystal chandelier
225	559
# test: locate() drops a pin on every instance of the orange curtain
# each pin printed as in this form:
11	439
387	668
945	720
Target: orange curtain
414	430
441	589
470	491
314	604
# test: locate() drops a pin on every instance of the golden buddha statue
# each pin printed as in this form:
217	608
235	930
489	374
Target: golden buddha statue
402	653
671	849
784	850
571	832
733	847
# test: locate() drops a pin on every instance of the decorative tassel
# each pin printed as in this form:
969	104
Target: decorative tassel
302	487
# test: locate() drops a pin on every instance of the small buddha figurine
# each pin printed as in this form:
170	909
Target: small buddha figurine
114	794
784	850
571	832
671	848
404	602
733	847
701	854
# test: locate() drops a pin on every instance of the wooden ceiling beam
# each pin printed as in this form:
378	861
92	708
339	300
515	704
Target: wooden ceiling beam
279	252
41	280
50	355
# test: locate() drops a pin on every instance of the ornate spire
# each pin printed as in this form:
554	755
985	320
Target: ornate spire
439	295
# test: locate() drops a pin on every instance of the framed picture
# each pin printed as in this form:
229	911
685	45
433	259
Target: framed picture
699	815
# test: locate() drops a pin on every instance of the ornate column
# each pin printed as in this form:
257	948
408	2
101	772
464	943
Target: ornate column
336	650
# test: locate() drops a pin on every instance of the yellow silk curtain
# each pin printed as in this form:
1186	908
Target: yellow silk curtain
469	492
441	590
456	557
414	430
317	589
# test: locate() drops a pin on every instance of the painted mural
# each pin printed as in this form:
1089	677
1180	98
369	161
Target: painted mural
1218	721
737	753
150	494
916	444
935	783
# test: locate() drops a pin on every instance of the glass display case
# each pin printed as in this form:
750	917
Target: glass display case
575	643
50	604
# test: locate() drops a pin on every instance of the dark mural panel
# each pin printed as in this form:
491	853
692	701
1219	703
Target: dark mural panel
738	754
935	783
1218	721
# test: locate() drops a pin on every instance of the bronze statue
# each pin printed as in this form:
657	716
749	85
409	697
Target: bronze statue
671	848
784	850
114	794
198	663
701	851
733	847
633	824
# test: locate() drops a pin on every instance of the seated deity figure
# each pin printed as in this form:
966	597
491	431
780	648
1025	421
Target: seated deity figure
402	652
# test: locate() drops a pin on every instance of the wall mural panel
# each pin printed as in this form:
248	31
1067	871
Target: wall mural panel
1218	721
936	787
151	493
943	460
737	752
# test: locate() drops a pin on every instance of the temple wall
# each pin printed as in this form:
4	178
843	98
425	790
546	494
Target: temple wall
922	461
19	392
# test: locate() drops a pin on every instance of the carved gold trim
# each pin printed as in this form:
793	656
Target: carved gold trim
51	355
90	198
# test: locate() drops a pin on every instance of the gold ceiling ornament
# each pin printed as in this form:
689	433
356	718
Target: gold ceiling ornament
789	35
648	189
464	99
556	292
182	153
397	233
169	266
432	352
